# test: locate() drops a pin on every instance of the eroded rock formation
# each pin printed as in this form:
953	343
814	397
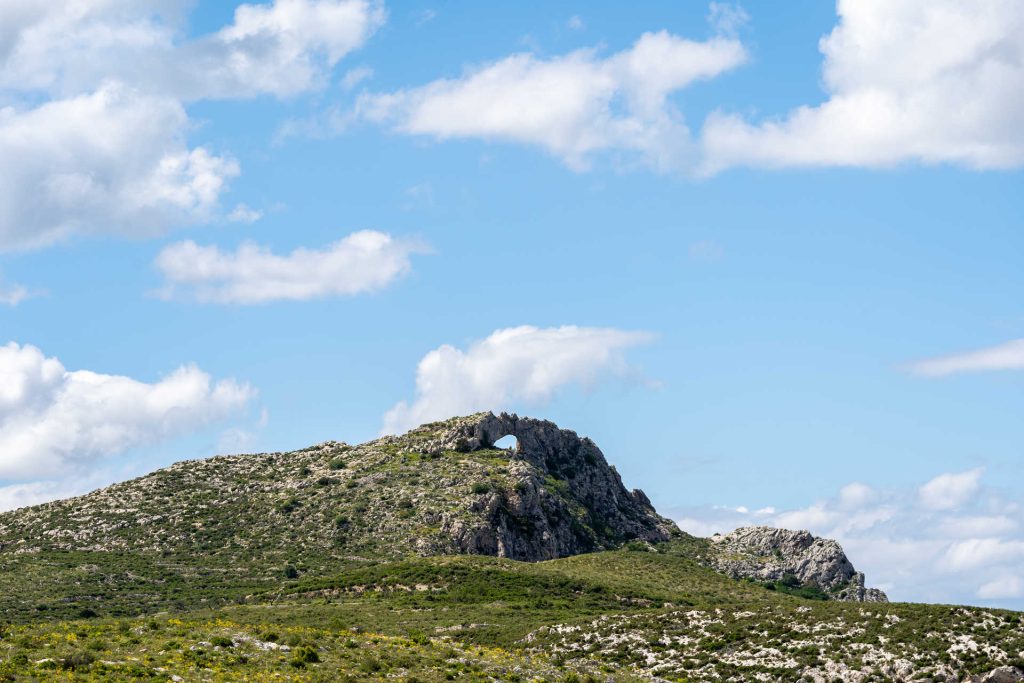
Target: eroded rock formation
769	555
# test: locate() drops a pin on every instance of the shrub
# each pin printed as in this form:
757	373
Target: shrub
290	572
304	654
481	487
222	641
337	464
77	661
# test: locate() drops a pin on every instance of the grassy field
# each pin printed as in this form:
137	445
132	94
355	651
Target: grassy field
619	615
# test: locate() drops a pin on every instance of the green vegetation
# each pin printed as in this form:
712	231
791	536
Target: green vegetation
309	567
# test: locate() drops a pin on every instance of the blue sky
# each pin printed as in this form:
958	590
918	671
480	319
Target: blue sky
735	245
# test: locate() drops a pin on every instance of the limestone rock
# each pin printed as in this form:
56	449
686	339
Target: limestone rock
1004	674
535	518
769	554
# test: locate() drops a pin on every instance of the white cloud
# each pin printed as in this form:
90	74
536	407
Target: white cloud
354	77
92	121
1008	356
576	23
282	48
978	526
974	553
243	213
53	421
954	543
727	18
516	364
12	295
21	495
933	82
855	495
364	261
574	106
113	161
1007	586
949	491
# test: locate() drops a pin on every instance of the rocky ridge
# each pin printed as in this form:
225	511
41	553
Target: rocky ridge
768	554
565	498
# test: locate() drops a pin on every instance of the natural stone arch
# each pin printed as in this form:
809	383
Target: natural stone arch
509	442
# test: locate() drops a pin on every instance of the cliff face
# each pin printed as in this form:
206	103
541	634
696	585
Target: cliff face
769	555
563	498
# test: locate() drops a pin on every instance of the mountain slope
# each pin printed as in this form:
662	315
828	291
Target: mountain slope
440	489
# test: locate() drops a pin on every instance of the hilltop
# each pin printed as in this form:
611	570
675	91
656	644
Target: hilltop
436	555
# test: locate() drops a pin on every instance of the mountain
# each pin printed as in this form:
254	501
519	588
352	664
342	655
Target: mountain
436	555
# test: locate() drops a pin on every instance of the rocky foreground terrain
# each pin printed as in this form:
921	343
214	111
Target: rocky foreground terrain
436	556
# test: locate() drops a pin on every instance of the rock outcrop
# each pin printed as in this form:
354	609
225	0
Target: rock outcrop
770	555
1004	674
564	498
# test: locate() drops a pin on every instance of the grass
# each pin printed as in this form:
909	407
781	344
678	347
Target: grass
616	614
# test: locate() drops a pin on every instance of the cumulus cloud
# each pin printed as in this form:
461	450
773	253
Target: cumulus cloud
574	106
281	49
1008	356
92	118
53	420
907	81
950	540
113	161
950	490
512	365
364	261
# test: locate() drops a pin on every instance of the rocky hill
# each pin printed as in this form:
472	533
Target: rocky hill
440	489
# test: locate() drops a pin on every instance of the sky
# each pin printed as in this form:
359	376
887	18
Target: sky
767	255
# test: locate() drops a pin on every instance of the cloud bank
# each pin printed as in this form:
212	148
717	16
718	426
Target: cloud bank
516	364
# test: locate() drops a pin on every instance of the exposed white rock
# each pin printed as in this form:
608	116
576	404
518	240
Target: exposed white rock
769	554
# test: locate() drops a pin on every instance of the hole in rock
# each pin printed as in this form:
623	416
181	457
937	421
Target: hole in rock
507	443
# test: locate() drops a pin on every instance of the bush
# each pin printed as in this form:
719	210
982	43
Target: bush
222	641
290	572
77	661
481	487
304	654
337	464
